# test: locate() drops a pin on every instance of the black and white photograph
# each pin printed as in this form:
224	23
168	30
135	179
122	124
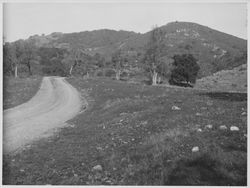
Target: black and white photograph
126	92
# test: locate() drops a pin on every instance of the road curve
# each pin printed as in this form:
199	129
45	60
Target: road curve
55	103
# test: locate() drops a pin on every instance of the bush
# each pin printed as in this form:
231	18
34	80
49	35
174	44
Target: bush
185	70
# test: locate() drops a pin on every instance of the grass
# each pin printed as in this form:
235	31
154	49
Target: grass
19	90
133	133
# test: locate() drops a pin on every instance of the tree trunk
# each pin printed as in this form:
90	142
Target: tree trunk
159	80
29	69
16	71
70	71
117	75
154	78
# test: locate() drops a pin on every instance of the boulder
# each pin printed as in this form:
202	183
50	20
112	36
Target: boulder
176	108
209	126
195	149
97	168
234	128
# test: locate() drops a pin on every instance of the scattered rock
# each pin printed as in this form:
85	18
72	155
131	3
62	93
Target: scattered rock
234	128
245	135
198	114
209	126
72	126
199	130
97	168
195	149
243	113
176	108
223	127
123	114
99	148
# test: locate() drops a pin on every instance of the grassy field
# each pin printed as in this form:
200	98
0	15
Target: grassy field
141	135
19	90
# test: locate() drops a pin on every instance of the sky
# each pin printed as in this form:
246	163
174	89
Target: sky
22	20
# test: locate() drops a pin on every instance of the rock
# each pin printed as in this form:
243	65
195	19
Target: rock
223	127
243	113
198	114
195	149
99	148
123	114
199	130
97	168
209	126
176	108
234	128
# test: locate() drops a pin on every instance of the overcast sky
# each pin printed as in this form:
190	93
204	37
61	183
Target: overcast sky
26	19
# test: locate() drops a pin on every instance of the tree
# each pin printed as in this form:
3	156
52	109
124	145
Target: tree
29	54
152	59
117	63
18	49
72	59
9	58
185	70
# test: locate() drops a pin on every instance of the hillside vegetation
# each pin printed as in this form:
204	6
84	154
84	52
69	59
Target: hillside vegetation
214	50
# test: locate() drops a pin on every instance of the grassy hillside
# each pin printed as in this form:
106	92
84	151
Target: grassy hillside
226	80
141	135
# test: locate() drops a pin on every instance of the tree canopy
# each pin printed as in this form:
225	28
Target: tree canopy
185	69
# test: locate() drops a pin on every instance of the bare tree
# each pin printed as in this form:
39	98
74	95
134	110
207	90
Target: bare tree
18	49
29	55
117	63
152	60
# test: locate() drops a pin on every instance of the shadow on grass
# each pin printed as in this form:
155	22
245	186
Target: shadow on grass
204	170
226	96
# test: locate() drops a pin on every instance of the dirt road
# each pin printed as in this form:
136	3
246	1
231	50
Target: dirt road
55	103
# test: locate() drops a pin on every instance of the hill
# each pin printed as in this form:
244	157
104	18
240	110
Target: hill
213	49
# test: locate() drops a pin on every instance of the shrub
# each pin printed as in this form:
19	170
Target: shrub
185	70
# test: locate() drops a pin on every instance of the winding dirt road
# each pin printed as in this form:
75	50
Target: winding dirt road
55	103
